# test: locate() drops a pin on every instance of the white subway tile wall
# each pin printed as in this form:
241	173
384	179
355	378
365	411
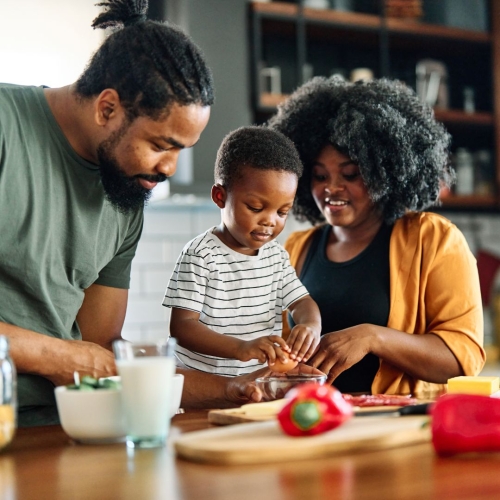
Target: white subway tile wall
169	225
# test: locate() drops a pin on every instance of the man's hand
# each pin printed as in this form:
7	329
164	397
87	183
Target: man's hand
243	389
263	349
86	358
303	341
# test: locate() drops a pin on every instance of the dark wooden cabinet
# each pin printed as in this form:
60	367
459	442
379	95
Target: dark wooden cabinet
304	42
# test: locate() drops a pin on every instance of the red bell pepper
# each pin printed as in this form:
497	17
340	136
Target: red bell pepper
313	409
464	423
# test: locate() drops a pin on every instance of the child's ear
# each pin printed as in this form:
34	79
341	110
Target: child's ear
219	195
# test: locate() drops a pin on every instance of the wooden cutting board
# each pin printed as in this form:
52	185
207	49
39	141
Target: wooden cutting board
242	415
264	442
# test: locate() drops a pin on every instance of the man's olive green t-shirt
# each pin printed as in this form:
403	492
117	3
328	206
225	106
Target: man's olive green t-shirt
58	233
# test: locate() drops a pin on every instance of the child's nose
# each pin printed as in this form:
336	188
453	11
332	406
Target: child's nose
269	220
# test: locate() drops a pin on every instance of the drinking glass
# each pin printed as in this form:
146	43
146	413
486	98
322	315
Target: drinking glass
146	372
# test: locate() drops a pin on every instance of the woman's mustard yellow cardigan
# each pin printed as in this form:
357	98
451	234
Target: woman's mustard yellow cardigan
434	288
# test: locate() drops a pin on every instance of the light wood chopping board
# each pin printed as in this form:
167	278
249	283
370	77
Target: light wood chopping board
247	413
264	442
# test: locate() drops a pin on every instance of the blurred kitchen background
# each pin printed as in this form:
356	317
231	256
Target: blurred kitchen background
260	51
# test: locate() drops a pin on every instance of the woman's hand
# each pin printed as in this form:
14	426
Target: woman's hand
339	350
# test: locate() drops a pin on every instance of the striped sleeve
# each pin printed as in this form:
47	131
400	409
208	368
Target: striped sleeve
293	289
187	286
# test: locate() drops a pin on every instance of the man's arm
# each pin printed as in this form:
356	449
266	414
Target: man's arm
102	314
100	319
206	390
56	359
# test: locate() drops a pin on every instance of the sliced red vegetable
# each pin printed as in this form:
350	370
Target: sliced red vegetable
313	409
366	400
463	423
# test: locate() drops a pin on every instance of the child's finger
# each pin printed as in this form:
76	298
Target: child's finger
280	341
304	348
280	354
268	350
310	351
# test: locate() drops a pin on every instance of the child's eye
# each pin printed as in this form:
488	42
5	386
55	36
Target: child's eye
282	214
253	209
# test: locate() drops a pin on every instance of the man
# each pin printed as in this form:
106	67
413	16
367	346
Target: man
77	165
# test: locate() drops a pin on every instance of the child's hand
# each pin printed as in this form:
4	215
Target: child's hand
263	349
303	341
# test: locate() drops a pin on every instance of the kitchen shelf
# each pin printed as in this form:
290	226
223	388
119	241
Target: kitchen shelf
360	21
288	36
453	116
454	200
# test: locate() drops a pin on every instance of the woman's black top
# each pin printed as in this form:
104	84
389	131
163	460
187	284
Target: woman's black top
350	293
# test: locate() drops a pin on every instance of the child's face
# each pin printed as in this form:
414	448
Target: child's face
255	208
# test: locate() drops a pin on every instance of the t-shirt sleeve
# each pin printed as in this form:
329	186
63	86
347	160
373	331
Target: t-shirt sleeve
293	289
116	273
188	285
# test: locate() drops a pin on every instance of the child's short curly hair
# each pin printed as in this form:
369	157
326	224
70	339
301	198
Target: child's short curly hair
402	152
258	147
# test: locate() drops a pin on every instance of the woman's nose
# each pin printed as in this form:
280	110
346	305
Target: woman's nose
334	186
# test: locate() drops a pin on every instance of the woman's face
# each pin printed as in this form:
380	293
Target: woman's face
339	190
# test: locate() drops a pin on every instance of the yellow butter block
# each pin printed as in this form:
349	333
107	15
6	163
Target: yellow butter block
473	385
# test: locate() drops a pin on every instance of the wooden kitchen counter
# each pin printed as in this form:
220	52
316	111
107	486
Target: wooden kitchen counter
43	463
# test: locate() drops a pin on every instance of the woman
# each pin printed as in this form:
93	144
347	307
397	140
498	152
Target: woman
397	287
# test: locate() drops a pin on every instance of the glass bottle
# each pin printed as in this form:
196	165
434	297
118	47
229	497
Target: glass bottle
8	394
464	167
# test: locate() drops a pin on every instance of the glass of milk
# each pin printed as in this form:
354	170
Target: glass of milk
146	372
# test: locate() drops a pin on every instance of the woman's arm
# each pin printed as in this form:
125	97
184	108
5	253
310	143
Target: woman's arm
423	357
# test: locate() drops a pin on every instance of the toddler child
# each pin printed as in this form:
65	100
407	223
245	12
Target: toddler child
231	284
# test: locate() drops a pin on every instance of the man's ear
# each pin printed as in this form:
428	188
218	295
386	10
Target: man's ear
107	106
219	195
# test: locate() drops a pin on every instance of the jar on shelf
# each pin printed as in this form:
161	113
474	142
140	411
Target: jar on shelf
484	173
464	167
8	394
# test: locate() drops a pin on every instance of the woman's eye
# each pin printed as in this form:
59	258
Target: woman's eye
319	177
351	177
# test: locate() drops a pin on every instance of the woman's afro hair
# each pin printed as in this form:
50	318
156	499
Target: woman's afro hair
401	150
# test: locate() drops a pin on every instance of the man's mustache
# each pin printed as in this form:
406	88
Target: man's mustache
152	178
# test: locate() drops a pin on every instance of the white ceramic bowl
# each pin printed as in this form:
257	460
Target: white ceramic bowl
91	416
96	416
177	386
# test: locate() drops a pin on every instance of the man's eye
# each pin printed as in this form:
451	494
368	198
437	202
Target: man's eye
161	149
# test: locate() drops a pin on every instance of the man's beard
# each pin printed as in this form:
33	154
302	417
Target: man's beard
123	192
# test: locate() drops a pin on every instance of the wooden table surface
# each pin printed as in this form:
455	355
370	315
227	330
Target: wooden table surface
43	463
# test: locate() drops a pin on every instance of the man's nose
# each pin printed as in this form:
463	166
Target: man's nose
168	164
